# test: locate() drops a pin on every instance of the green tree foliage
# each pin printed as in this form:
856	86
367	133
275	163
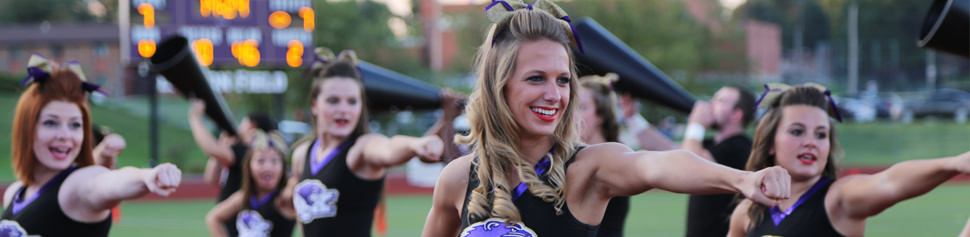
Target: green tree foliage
36	11
806	16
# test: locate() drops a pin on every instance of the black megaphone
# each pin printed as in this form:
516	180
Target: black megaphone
605	53
387	89
175	61
947	27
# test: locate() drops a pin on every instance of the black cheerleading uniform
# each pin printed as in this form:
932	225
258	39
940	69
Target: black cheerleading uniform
615	217
43	215
233	181
806	218
709	215
538	217
334	201
234	176
260	218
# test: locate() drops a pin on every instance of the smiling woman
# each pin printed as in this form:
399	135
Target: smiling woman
57	181
526	149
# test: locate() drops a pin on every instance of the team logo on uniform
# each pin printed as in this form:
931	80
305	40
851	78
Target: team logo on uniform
10	228
313	200
496	227
251	224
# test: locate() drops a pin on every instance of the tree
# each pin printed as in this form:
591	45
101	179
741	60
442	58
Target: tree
792	16
36	11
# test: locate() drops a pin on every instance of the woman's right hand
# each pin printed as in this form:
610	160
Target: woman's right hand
196	108
163	179
428	148
768	186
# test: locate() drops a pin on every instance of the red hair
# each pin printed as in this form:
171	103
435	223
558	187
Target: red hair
63	85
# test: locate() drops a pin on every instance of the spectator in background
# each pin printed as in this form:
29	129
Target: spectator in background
729	112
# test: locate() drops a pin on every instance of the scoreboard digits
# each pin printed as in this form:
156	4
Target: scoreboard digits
228	33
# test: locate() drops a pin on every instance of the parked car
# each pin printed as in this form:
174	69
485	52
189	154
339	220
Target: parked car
947	103
889	106
855	109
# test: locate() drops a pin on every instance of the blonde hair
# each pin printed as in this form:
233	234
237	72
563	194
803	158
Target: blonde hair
494	132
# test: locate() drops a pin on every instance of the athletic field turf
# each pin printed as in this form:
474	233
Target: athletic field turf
941	212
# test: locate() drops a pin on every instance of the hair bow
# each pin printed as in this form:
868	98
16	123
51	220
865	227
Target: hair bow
774	91
502	14
323	56
39	70
263	140
607	80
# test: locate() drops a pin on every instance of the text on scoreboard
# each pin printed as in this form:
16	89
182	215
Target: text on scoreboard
228	33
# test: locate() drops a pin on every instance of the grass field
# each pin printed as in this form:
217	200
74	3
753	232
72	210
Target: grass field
941	212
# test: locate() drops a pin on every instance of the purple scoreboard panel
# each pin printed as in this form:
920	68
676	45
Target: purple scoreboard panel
228	33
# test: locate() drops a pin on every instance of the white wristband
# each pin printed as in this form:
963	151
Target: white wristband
637	124
694	131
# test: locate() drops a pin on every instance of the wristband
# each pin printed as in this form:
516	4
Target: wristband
694	131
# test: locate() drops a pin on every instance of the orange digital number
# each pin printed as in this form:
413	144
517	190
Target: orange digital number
203	51
227	9
246	52
279	19
148	14
308	18
146	48
294	53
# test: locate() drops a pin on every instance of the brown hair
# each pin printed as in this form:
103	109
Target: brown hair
62	85
494	132
764	138
344	66
604	98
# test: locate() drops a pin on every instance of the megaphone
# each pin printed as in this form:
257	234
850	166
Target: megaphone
387	89
175	61
947	27
605	53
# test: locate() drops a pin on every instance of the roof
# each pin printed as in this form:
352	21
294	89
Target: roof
59	33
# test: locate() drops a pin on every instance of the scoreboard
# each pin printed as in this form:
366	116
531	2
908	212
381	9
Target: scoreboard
228	33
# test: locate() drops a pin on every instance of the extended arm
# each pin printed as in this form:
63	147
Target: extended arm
861	196
380	151
622	172
100	189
